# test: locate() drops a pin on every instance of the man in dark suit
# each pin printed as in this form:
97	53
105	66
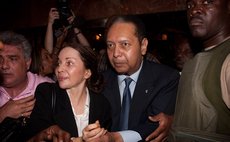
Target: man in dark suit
153	87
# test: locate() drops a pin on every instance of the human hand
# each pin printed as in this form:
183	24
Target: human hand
161	133
54	133
109	137
70	19
53	15
76	30
93	131
17	108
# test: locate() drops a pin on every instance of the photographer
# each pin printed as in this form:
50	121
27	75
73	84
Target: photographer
61	32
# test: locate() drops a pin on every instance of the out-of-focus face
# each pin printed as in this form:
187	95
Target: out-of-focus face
70	70
47	62
207	18
13	66
183	53
124	49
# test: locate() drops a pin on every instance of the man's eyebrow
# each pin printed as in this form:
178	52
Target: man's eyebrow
12	56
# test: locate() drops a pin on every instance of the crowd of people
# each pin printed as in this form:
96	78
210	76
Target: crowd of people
69	93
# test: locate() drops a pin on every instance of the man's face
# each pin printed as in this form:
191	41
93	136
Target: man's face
183	53
124	49
207	18
13	66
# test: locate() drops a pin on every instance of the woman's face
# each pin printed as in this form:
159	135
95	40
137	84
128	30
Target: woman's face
71	71
47	66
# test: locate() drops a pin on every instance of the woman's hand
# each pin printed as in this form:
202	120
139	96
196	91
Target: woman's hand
93	131
53	15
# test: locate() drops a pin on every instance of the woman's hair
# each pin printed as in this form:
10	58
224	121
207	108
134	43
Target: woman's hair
36	61
89	58
37	65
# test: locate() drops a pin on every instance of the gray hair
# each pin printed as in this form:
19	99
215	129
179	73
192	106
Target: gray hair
18	40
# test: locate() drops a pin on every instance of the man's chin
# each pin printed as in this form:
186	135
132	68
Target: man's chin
198	33
120	71
7	85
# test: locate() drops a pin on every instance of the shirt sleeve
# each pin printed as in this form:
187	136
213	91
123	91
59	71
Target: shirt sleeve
225	81
130	136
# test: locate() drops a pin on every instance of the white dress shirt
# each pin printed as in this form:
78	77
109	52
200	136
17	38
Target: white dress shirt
82	120
129	135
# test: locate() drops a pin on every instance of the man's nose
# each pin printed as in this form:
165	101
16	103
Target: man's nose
197	9
4	64
117	51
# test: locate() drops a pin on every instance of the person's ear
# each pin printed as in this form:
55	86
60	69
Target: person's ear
144	45
88	73
28	63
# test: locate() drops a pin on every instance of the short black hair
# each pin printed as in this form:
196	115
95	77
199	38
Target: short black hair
135	20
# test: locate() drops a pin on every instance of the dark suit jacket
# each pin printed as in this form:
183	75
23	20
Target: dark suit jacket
155	92
43	115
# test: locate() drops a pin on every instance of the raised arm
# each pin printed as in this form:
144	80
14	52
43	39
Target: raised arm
81	38
49	39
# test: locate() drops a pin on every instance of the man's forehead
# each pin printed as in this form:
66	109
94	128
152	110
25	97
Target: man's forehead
9	46
10	49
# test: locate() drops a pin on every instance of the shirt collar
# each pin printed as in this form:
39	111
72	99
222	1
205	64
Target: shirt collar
87	98
213	46
134	76
26	91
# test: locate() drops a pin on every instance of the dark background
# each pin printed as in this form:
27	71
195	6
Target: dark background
161	17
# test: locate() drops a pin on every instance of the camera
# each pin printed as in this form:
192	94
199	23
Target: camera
64	12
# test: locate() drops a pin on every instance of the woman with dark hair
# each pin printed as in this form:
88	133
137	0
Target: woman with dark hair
75	100
42	63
